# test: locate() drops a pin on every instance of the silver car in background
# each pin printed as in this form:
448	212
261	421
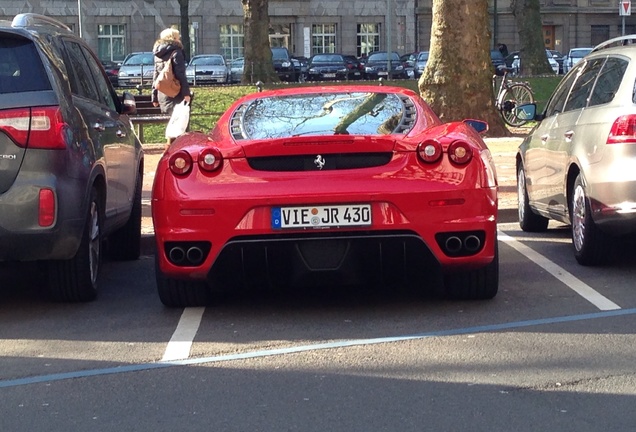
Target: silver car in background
207	69
136	69
578	164
574	56
236	70
420	63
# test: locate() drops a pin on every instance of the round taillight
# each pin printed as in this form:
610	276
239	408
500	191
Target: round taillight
429	151
210	159
460	152
180	163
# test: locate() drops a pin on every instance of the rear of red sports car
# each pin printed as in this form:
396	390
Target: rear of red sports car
326	185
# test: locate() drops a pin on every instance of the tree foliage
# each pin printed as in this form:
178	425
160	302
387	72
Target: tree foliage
457	80
257	53
527	15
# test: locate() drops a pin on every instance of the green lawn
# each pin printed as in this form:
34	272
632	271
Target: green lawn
210	102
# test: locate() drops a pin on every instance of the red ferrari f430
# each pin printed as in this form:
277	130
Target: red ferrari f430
319	186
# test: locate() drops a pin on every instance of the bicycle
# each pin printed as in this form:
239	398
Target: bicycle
510	95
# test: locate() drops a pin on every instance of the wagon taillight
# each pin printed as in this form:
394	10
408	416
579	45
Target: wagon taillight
623	130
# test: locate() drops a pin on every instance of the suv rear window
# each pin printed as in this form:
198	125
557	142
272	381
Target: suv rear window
21	69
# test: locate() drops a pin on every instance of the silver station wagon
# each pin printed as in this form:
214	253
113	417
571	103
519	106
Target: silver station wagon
578	165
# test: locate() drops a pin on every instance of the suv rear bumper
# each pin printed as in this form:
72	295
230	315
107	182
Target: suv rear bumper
22	238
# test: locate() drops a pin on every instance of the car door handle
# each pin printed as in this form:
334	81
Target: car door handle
120	133
544	138
99	127
569	134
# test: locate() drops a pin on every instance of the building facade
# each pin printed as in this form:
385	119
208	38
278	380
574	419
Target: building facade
116	27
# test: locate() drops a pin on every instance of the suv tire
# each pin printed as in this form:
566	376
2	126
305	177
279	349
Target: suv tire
75	279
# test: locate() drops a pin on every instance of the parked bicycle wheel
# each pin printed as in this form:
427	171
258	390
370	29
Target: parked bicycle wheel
516	94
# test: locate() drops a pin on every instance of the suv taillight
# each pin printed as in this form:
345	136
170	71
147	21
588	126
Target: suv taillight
41	127
623	130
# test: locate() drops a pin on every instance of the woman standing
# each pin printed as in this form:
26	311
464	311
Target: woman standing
169	48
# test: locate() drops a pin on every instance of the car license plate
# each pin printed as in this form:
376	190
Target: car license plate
383	73
327	216
329	75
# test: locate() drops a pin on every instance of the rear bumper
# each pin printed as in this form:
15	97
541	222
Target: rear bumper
21	237
614	206
408	235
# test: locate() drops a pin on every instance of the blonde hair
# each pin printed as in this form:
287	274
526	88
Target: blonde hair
170	34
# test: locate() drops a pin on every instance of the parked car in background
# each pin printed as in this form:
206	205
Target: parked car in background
112	71
137	68
514	61
380	64
408	60
300	64
420	63
283	65
574	56
311	186
329	67
559	58
71	166
354	64
207	69
577	165
236	69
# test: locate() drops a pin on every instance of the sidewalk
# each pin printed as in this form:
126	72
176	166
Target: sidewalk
503	151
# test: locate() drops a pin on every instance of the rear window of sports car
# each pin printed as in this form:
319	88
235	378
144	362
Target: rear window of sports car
324	114
20	67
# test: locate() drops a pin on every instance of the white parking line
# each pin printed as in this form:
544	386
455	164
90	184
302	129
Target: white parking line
571	281
179	346
120	369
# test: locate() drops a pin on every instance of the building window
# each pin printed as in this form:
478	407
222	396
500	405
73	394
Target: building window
323	38
368	38
231	39
599	33
111	42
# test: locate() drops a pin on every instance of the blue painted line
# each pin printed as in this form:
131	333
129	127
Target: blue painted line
313	347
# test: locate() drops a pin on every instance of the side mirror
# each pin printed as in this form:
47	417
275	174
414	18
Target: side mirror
129	106
479	125
526	112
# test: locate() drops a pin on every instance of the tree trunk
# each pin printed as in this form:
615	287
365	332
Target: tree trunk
257	53
527	15
457	81
185	27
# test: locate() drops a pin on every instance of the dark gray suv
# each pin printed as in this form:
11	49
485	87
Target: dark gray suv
71	165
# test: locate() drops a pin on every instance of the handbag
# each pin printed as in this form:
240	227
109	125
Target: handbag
166	82
179	120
